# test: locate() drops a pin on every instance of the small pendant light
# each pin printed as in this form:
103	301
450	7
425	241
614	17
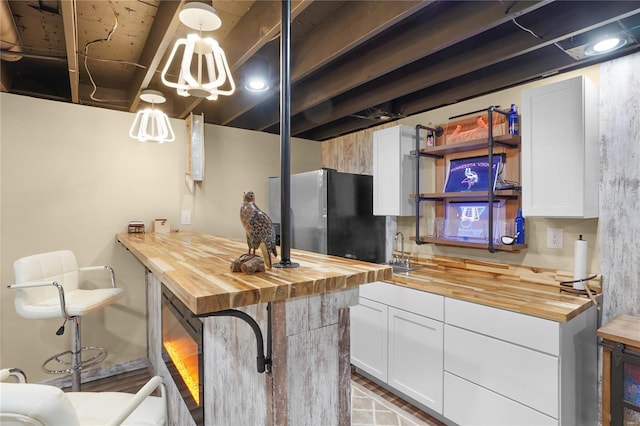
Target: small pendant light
150	124
201	54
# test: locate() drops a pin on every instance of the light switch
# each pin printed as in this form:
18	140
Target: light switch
185	217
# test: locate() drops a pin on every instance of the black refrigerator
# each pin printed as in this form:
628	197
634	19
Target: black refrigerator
332	213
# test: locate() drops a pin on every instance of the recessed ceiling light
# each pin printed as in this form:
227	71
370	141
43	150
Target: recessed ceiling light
605	46
257	85
257	74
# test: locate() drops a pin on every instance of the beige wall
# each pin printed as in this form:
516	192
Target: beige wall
347	153
72	178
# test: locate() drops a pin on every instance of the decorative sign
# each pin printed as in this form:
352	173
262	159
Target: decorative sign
471	174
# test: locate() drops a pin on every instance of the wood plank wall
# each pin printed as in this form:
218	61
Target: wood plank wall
352	153
619	222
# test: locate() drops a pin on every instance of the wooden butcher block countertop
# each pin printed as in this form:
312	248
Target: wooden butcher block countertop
196	268
528	290
624	329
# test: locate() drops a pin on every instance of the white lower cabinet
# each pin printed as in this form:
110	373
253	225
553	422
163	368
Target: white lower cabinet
518	373
506	368
415	357
474	364
412	360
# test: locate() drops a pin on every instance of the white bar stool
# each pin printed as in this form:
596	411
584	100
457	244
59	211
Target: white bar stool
47	287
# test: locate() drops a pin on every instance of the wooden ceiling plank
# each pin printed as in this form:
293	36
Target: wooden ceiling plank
70	24
340	33
158	41
556	26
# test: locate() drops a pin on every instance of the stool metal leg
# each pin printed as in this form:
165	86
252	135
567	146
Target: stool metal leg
72	361
76	360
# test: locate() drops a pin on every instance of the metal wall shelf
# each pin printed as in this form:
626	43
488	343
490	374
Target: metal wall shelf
508	141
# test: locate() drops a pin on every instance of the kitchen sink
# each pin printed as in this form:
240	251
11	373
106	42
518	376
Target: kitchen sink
401	267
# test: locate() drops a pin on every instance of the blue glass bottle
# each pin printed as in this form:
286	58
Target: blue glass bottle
519	227
513	120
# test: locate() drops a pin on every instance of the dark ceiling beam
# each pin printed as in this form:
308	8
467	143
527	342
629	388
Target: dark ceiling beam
258	26
498	77
160	36
70	26
558	24
354	23
432	34
534	66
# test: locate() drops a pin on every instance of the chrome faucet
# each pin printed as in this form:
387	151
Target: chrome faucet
401	245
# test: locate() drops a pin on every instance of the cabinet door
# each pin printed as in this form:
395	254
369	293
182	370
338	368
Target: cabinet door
393	171
416	357
369	338
560	153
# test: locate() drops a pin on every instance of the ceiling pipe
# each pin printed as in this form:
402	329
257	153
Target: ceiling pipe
9	34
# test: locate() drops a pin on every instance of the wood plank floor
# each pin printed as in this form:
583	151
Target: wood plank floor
132	381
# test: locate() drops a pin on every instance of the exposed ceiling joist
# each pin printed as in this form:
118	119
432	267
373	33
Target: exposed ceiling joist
431	34
70	22
354	63
259	26
161	35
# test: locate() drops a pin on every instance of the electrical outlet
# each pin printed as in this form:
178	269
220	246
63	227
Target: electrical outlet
185	217
554	238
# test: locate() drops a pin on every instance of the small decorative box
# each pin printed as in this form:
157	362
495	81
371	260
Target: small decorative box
136	227
161	226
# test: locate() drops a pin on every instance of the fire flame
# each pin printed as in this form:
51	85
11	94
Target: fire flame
184	354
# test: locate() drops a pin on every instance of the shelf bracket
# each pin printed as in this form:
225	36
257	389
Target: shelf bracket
263	361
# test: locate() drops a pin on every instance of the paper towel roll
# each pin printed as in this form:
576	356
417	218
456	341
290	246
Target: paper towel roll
580	263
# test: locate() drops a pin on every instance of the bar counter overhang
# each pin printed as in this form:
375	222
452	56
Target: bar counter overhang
309	381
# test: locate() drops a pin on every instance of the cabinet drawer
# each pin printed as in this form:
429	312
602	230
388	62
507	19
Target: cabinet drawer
408	299
515	372
535	333
466	403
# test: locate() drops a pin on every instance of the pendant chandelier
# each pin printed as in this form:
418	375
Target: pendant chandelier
203	68
150	124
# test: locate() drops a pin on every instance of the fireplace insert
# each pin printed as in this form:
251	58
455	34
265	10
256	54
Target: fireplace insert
182	352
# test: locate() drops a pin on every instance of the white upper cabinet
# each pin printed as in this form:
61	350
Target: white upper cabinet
394	171
560	151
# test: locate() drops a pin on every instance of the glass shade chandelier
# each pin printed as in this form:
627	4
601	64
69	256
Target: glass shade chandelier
203	69
150	124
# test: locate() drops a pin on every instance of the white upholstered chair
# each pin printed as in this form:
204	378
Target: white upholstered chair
47	286
24	403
